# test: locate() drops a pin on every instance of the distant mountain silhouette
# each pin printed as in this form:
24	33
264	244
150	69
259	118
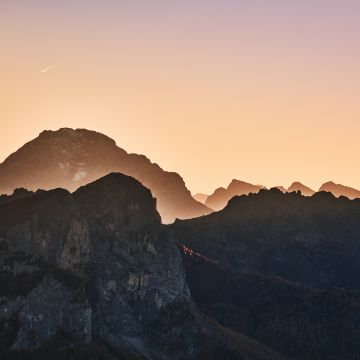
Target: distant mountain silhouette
219	199
297	186
200	197
221	196
70	158
340	190
281	188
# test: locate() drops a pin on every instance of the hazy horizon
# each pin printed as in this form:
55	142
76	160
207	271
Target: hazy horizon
261	91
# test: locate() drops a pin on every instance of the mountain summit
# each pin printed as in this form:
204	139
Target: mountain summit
340	190
71	158
297	186
200	197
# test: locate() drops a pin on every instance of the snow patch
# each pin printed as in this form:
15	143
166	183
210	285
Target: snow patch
80	174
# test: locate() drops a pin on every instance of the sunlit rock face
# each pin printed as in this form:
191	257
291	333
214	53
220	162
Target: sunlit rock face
96	265
135	272
70	158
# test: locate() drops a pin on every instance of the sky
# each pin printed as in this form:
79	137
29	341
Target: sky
265	91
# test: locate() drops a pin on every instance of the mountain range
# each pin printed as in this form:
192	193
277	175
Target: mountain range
89	270
70	158
95	275
221	196
280	268
340	190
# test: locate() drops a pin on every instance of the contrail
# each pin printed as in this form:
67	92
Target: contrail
50	67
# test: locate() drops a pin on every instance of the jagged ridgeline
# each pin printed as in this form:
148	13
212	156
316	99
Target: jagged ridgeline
70	158
221	196
95	275
281	268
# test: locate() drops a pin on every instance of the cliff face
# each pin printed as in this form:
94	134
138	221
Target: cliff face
134	273
70	158
97	267
39	302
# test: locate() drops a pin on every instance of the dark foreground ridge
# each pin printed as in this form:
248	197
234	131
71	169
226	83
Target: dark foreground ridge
281	268
95	275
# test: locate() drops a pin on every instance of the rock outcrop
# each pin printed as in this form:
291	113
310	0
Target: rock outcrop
107	236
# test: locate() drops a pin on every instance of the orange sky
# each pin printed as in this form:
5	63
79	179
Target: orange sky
263	91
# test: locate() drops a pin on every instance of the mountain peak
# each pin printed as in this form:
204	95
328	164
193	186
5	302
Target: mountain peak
298	186
340	190
297	183
221	196
70	158
75	134
236	182
329	183
121	195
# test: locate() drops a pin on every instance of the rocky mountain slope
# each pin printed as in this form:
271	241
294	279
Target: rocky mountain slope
70	158
298	320
340	190
94	275
200	197
281	268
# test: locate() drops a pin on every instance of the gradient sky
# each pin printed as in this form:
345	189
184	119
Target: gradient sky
263	91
